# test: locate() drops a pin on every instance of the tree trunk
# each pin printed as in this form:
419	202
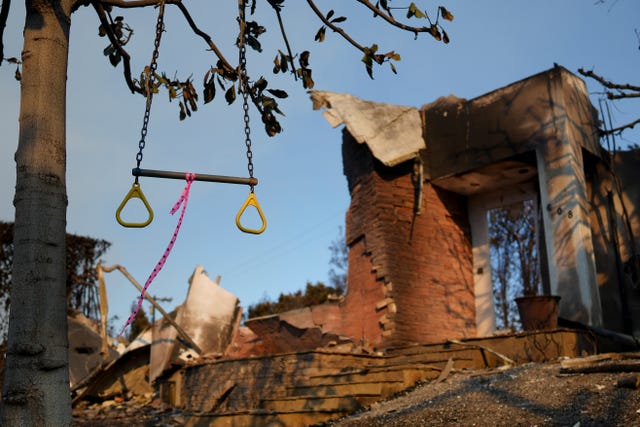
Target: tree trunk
36	382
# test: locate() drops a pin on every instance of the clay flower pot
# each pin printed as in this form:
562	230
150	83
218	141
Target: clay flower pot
538	312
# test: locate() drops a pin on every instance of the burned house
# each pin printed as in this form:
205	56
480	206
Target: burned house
421	183
419	298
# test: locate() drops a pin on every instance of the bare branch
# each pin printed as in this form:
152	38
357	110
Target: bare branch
622	91
622	95
608	84
391	20
135	3
619	129
4	14
201	33
286	41
335	28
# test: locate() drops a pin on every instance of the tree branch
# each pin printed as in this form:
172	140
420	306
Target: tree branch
286	40
123	4
391	20
335	28
610	85
633	92
126	59
619	129
4	14
202	34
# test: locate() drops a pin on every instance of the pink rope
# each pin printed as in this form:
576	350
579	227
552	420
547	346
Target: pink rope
183	200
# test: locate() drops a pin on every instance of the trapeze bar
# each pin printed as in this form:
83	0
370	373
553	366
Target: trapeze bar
151	173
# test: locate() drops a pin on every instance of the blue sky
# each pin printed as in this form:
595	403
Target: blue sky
302	189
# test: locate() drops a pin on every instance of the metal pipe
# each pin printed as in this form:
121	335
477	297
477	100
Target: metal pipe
151	173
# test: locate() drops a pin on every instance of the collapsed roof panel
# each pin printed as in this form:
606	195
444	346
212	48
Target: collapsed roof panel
393	133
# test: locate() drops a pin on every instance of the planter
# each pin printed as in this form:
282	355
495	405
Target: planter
538	312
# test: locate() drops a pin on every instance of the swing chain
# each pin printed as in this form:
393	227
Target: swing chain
150	72
244	86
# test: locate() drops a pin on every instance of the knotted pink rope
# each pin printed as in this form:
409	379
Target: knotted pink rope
183	200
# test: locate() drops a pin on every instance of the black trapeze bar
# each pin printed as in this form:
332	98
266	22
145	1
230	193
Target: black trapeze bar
151	173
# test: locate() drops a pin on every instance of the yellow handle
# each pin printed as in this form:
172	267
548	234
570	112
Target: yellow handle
135	193
251	201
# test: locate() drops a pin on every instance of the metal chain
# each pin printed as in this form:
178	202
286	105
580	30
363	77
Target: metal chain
244	85
150	71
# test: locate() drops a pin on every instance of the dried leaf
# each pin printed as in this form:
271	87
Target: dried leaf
339	19
433	30
446	14
230	95
304	59
209	91
284	63
115	58
108	50
320	34
414	11
278	93
260	85
18	75
276	64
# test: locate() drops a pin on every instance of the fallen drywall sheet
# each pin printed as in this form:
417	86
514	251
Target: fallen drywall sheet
208	315
392	132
